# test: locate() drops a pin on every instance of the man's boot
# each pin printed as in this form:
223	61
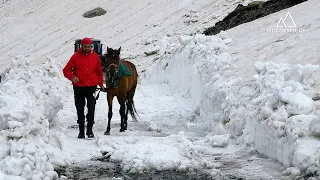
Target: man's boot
89	131
81	131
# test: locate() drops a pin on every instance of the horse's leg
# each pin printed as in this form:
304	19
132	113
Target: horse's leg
122	111
110	98
127	111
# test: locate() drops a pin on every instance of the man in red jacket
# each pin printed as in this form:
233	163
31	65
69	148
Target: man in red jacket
85	71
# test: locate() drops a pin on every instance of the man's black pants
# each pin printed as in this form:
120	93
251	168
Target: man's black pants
81	94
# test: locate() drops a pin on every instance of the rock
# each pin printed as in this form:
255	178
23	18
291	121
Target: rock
152	51
256	4
94	12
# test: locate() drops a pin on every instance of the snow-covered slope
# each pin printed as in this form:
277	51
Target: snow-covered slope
40	28
258	41
271	112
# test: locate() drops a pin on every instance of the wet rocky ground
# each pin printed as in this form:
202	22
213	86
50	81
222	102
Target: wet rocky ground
233	168
107	170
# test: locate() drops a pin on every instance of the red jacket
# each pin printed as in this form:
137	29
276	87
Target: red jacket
85	66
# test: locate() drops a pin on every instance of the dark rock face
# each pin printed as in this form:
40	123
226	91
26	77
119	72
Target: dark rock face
94	12
254	10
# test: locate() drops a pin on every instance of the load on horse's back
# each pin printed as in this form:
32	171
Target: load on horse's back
121	81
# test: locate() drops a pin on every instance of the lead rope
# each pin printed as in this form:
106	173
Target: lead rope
97	97
103	70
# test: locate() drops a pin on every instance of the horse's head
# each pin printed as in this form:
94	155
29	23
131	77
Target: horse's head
111	60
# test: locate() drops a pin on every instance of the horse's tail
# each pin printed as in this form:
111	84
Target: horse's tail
130	104
132	110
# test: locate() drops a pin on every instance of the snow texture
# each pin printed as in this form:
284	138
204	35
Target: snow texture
261	95
272	112
31	143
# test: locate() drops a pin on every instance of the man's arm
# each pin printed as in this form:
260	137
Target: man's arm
67	70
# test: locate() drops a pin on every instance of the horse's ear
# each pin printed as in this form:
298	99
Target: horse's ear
108	49
119	50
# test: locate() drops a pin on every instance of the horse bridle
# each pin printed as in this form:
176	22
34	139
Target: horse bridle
106	68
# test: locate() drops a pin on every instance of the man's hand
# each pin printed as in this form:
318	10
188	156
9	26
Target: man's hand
75	79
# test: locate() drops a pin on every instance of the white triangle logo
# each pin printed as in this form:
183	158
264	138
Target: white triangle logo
281	23
287	21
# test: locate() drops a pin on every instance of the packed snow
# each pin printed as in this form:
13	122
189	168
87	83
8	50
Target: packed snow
31	144
199	95
139	154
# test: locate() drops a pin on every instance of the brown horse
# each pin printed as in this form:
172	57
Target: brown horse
125	90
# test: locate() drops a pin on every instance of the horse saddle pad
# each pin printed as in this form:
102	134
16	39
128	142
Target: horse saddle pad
123	71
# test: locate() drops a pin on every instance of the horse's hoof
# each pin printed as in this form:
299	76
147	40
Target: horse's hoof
106	133
122	130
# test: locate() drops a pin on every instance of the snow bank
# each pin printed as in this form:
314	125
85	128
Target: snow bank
272	112
196	66
30	99
143	153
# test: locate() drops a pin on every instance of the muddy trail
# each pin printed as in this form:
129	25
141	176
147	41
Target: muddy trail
232	168
104	169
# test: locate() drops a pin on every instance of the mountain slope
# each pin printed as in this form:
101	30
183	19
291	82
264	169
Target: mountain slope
39	29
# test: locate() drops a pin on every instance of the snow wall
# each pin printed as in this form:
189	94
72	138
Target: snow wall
272	112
